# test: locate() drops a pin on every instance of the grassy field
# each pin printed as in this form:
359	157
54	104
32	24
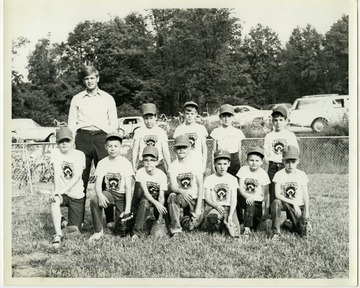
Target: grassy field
324	254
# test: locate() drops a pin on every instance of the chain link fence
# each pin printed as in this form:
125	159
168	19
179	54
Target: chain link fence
319	155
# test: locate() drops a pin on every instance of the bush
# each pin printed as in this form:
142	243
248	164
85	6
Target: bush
340	128
126	110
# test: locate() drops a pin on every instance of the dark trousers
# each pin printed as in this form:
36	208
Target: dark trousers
278	206
253	213
273	168
92	143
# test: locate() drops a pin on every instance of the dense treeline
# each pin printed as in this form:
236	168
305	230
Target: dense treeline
175	55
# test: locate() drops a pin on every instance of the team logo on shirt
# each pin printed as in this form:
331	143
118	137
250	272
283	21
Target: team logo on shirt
250	185
278	145
68	169
192	139
153	188
221	192
113	180
290	189
185	180
150	140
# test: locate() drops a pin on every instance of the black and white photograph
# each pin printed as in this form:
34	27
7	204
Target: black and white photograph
180	143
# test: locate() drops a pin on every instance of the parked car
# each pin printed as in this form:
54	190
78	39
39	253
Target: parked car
128	125
245	114
26	130
317	111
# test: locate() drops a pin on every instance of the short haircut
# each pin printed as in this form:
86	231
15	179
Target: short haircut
88	70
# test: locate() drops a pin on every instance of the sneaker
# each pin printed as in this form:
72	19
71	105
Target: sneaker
63	221
233	231
175	231
110	225
135	238
247	233
276	236
96	236
120	228
57	241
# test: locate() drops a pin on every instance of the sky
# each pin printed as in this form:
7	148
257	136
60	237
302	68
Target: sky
35	19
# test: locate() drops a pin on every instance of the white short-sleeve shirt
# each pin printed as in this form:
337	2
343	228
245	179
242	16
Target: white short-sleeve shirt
292	184
114	172
228	138
155	183
221	188
186	175
254	182
68	166
150	137
275	142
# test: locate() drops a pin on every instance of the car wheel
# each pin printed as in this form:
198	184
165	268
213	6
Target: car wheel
319	124
51	138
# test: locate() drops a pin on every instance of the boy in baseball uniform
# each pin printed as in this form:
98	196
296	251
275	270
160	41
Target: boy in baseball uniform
253	183
291	193
68	164
186	186
221	197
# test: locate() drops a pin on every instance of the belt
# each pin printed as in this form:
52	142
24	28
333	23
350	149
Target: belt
276	164
90	132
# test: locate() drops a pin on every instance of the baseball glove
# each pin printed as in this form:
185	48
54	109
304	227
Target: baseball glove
158	230
122	224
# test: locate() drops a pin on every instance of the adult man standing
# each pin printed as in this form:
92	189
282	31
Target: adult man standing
92	115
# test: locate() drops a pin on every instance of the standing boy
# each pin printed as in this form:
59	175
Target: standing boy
92	115
195	132
221	196
291	194
186	185
153	183
117	172
228	137
253	182
68	165
151	135
274	143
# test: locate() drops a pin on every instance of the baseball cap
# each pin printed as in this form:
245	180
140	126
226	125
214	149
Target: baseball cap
150	150
191	103
63	133
182	140
256	150
148	108
290	152
222	154
281	110
227	108
114	135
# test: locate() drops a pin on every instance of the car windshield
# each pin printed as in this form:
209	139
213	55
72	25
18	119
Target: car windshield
310	103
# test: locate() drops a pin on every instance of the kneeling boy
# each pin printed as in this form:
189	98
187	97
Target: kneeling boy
253	182
220	195
68	165
153	183
291	194
117	172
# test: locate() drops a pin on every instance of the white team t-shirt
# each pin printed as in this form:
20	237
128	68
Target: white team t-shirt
228	138
221	188
196	132
254	181
186	175
155	183
150	137
292	184
114	172
275	142
68	166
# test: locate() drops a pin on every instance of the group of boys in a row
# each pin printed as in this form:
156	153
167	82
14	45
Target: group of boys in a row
232	197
